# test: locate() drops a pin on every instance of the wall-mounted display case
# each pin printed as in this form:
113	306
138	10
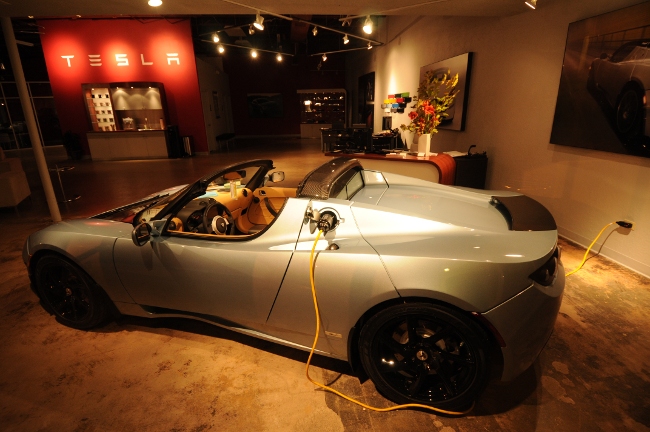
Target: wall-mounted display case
136	106
135	114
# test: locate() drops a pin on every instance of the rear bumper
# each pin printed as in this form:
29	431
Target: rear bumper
525	322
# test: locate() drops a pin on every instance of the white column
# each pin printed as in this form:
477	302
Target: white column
37	146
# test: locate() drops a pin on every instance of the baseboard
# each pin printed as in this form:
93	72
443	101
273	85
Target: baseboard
617	257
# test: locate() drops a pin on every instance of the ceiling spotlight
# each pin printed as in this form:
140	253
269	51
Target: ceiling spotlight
278	57
155	3
251	29
314	31
346	40
369	45
367	25
221	49
259	20
324	57
254	53
346	22
215	37
531	4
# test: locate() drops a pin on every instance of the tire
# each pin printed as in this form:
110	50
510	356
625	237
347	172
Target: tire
426	354
67	292
629	113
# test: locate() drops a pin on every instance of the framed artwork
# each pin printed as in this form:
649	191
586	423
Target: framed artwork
265	105
461	65
601	102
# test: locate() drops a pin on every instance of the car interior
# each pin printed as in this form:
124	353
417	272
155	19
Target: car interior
230	208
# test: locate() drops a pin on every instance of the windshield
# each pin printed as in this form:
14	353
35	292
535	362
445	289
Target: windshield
152	203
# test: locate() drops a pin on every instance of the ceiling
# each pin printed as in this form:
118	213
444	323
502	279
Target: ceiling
233	17
116	8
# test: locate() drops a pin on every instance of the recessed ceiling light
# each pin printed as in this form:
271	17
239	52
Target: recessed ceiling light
155	3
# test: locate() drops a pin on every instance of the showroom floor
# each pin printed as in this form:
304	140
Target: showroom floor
180	375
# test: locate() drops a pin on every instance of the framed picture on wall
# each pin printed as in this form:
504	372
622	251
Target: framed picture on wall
461	65
601	102
265	105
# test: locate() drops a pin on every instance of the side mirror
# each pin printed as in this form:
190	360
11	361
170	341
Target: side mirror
141	234
276	177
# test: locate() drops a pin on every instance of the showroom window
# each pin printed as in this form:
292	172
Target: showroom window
13	128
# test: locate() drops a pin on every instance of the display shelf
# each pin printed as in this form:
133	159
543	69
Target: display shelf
323	106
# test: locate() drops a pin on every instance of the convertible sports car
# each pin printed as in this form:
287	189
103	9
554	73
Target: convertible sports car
426	288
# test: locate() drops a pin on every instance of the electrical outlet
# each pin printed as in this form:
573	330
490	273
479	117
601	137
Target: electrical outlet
628	224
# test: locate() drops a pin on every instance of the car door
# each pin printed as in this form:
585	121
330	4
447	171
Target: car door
203	275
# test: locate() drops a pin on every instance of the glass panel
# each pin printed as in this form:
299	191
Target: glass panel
10	89
40	89
48	121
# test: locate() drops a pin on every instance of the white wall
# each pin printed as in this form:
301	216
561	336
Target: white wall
212	78
513	90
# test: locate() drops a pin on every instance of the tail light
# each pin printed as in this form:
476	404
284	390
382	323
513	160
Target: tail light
545	275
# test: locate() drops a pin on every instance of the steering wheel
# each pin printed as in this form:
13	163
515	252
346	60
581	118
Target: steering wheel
214	222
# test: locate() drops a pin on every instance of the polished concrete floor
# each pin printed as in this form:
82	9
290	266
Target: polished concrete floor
180	375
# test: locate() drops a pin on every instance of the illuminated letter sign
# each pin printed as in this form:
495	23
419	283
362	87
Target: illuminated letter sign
121	60
144	63
68	57
173	57
95	59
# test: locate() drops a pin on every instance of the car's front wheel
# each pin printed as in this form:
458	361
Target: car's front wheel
629	112
426	354
69	293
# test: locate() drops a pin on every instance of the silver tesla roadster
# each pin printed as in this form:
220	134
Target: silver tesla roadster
427	289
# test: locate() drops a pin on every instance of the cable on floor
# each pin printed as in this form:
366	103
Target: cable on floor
623	224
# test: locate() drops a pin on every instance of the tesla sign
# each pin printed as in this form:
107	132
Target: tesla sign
122	60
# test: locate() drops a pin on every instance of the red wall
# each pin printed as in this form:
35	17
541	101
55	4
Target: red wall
153	39
266	75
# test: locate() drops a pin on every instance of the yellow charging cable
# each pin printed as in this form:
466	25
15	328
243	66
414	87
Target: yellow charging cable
330	389
584	259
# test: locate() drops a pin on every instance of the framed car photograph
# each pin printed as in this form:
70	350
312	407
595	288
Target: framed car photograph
601	102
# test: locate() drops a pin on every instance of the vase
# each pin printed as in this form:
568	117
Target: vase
407	139
423	142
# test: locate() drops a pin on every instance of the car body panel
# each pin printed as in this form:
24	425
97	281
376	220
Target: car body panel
89	243
525	323
349	281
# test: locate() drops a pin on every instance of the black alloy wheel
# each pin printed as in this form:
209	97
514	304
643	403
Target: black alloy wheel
69	293
426	354
629	113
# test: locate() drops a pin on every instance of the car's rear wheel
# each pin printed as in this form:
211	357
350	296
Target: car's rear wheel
629	112
69	293
427	354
